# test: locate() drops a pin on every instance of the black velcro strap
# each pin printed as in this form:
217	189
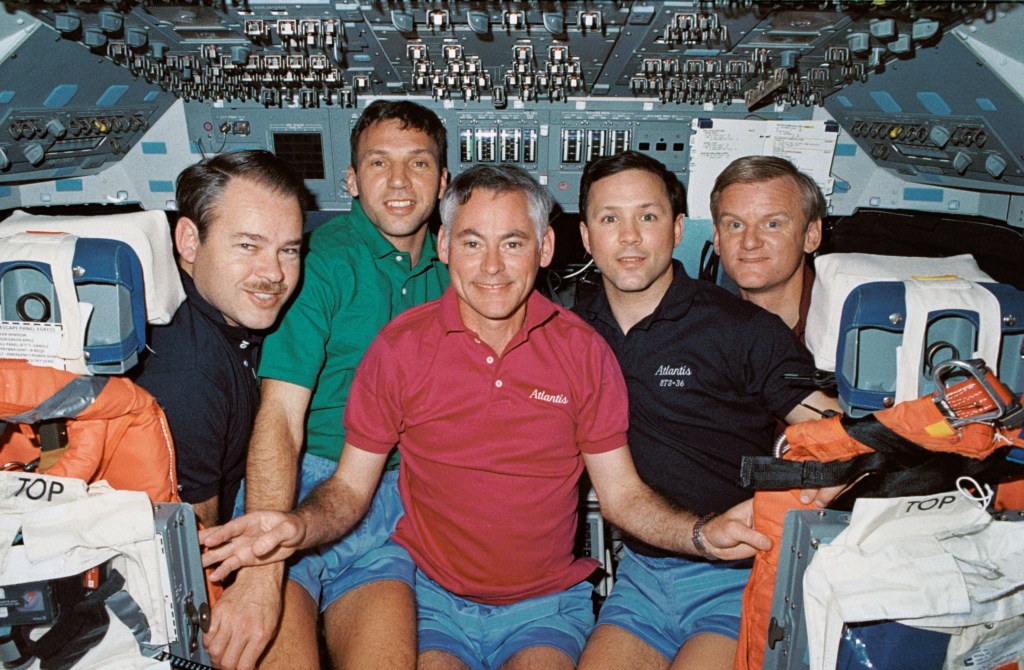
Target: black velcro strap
770	473
891	452
871	432
898	467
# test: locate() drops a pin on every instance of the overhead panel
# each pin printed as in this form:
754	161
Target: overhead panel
546	85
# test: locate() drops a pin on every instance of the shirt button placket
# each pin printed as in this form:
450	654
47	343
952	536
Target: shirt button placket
489	359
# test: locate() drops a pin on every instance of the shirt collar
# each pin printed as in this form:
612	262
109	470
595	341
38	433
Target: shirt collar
538	311
379	246
800	329
679	296
237	333
674	304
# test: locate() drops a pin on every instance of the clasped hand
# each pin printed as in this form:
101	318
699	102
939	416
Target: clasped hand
257	538
731	536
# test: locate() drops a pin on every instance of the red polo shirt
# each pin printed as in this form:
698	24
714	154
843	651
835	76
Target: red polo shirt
491	445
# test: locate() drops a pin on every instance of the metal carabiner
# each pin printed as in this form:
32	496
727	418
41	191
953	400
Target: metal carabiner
977	369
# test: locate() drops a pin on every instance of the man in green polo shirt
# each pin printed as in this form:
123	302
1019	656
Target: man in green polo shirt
362	269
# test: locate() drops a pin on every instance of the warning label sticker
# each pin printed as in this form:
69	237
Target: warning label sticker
36	342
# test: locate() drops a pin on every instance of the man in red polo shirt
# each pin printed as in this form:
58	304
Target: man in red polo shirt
497	399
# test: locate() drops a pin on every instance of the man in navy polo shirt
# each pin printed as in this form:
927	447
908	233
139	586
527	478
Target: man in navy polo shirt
238	238
704	371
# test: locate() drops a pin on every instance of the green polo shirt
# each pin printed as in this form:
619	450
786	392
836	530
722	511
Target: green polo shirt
353	282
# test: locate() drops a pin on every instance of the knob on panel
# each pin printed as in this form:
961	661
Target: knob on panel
34	153
939	136
961	162
995	165
56	128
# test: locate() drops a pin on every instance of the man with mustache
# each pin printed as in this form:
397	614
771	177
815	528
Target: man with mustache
238	237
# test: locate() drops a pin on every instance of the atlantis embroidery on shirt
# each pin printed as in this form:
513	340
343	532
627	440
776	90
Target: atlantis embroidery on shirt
673	376
547	397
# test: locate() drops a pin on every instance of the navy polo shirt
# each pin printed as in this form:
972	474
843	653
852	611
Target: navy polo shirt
704	373
203	373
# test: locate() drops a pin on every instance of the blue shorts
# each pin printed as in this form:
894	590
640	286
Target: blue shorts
666	601
366	554
485	636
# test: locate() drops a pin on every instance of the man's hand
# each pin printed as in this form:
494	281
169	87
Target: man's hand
730	536
823	496
257	538
245	618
